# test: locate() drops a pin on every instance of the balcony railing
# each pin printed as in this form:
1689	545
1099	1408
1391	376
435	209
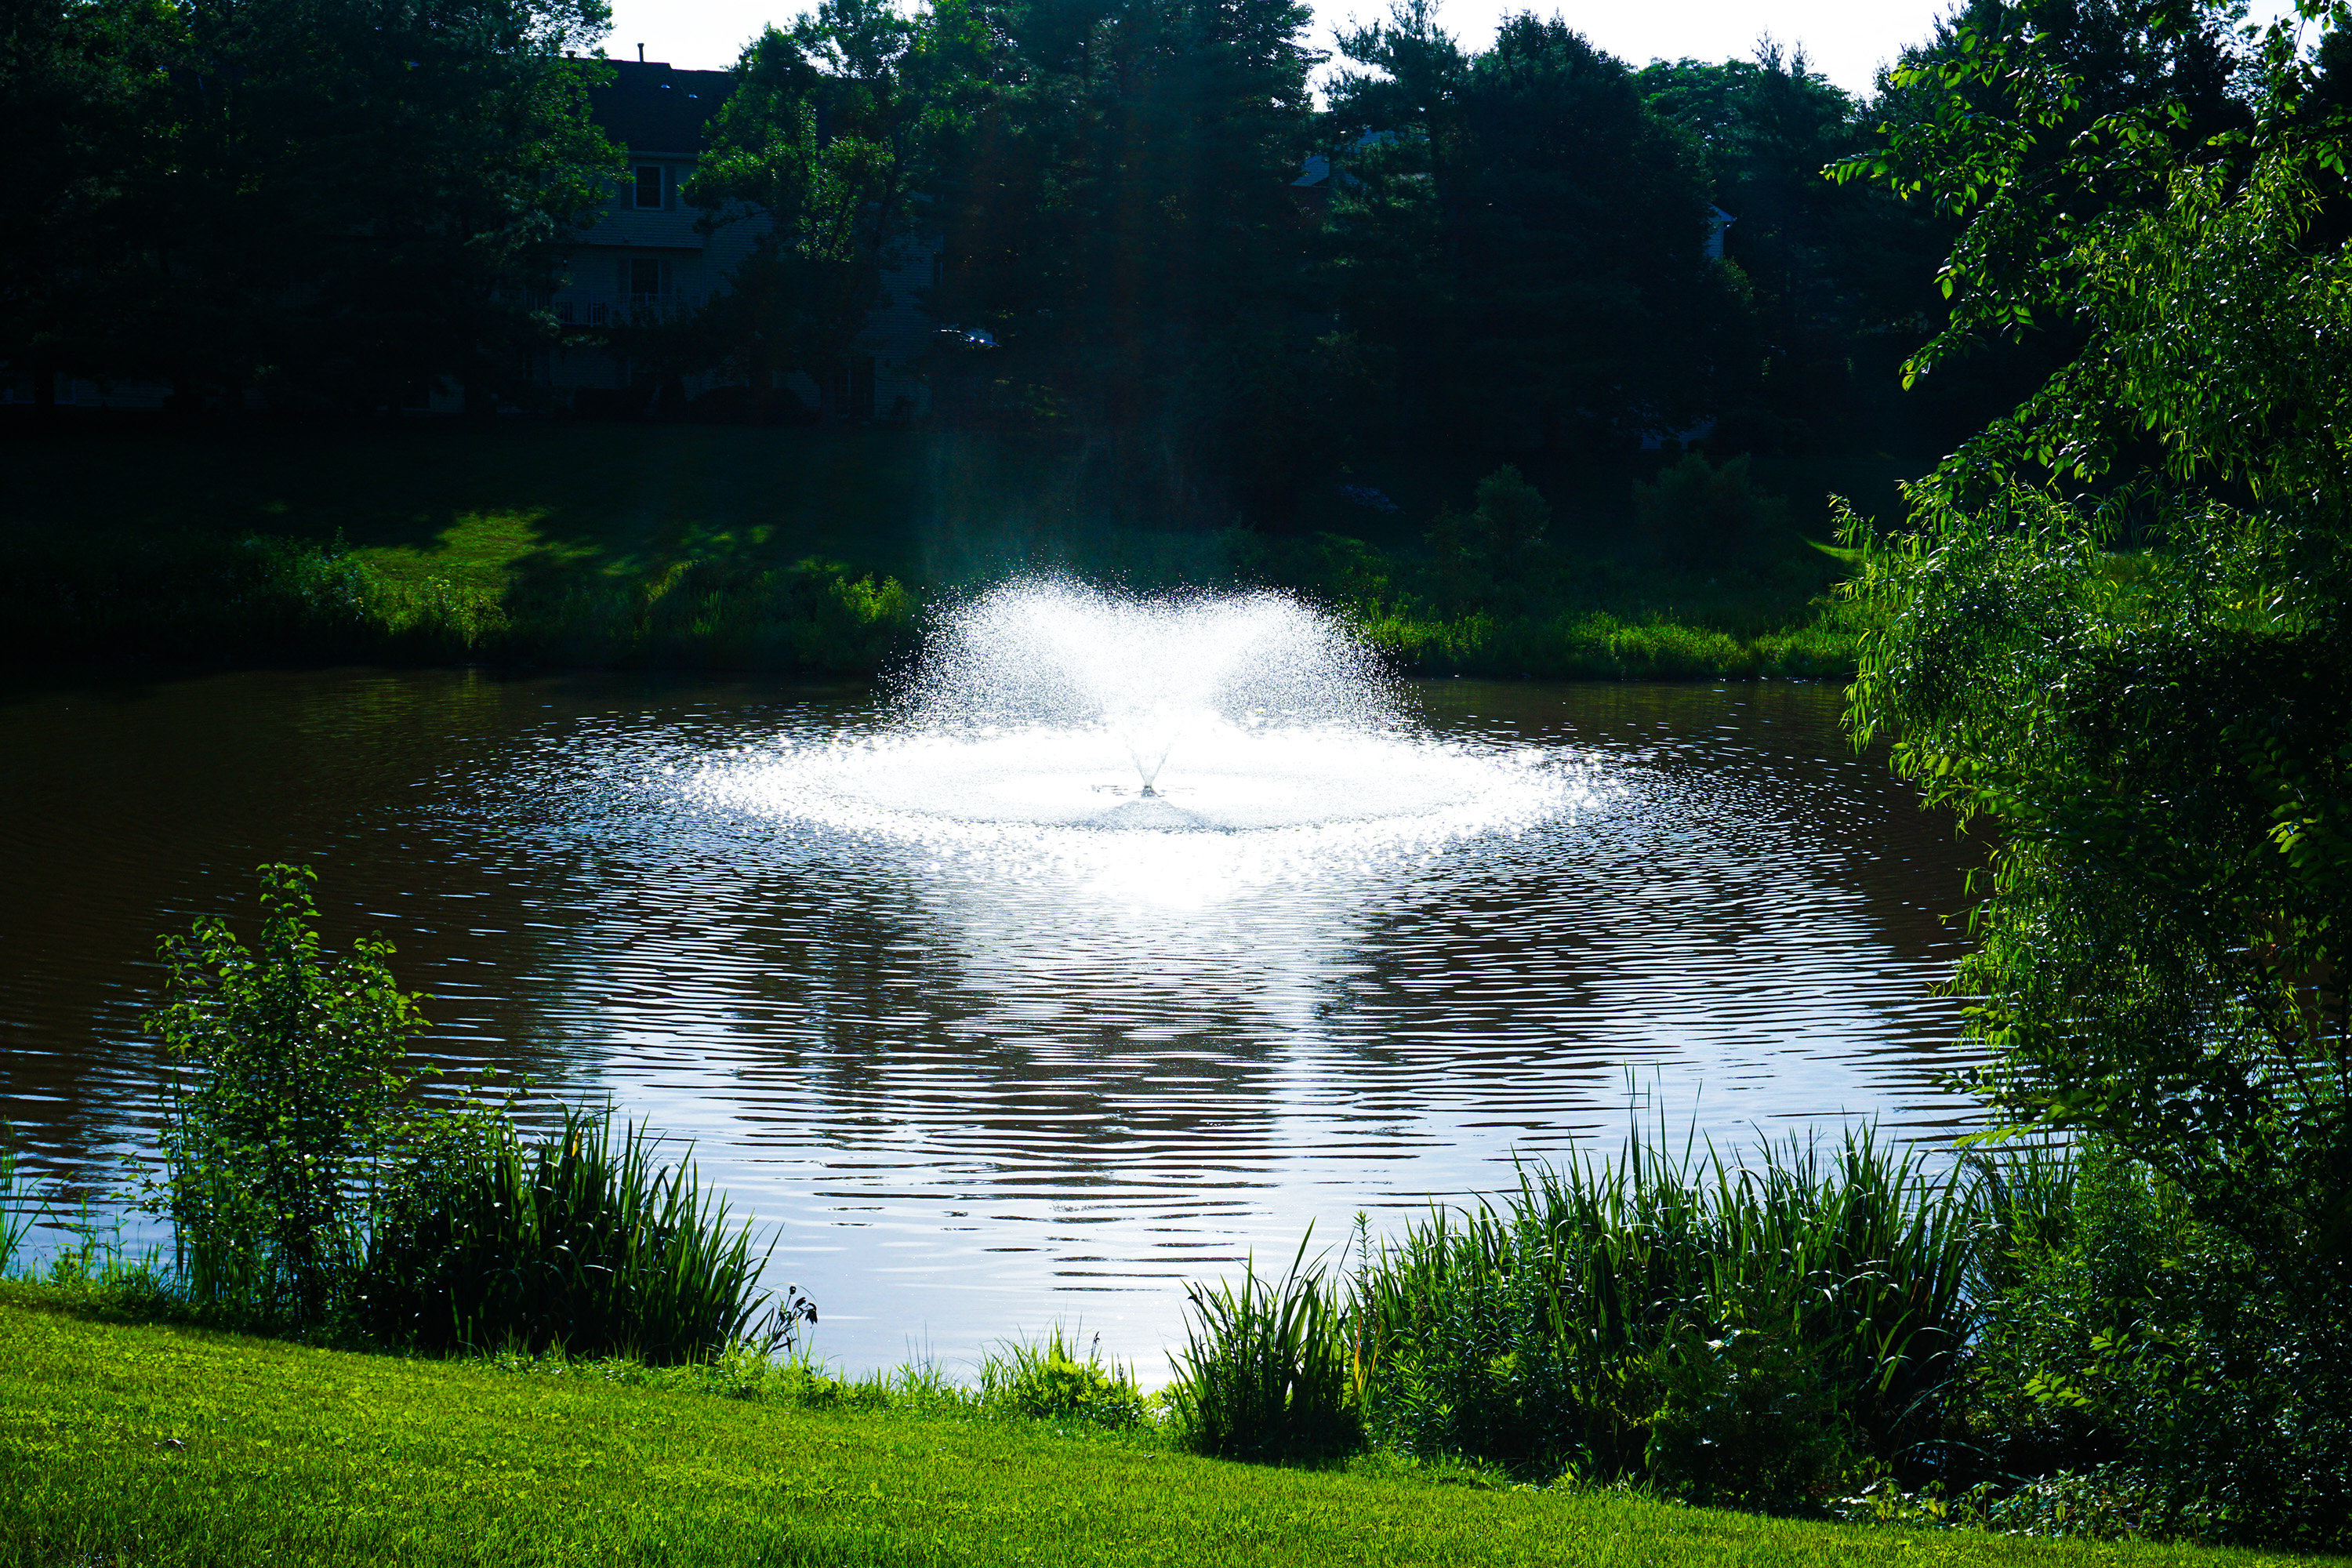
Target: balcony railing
589	307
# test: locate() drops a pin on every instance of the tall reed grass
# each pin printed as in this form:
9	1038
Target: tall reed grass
574	1241
1597	645
21	1204
1264	1371
1739	1331
1766	1333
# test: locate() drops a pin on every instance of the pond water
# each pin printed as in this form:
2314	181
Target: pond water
973	1087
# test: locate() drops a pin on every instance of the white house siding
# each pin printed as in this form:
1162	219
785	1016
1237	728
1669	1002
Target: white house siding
658	114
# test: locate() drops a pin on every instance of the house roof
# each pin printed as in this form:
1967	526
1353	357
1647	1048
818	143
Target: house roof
649	108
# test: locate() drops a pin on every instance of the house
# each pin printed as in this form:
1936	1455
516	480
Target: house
647	256
1323	172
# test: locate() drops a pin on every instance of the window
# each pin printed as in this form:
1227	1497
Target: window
649	184
645	275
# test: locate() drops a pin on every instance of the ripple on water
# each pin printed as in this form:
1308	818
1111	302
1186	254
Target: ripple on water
989	1065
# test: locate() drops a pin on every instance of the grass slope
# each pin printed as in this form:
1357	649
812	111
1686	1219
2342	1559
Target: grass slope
154	1445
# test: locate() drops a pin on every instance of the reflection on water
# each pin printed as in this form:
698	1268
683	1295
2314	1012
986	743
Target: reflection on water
979	1083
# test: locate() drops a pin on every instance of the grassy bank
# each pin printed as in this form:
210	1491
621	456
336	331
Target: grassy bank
694	547
157	1445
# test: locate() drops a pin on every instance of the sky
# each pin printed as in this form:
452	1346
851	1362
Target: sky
1847	39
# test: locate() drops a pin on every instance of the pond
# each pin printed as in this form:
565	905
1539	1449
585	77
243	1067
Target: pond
975	1087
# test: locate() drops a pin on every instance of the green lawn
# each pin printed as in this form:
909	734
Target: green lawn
156	1445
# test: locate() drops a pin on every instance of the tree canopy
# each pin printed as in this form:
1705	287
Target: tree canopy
326	199
2117	624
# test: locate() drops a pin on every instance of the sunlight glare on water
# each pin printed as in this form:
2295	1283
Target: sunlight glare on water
978	1033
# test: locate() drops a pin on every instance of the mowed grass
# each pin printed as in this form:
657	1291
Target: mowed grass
145	1444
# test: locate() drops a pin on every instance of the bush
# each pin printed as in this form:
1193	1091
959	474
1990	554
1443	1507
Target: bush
281	1106
2127	1340
1486	556
306	1192
1048	1382
1265	1370
812	614
1697	512
574	1242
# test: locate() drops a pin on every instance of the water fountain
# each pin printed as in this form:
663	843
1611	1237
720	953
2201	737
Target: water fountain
1048	706
992	1035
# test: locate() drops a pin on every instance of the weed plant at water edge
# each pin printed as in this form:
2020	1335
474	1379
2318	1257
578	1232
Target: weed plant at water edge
1741	1334
1265	1372
574	1241
20	1202
1049	1381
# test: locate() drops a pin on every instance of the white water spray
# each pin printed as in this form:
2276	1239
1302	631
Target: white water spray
1045	707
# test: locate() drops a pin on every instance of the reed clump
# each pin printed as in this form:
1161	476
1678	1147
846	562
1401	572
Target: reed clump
1767	1334
576	1240
1738	1333
21	1207
1264	1370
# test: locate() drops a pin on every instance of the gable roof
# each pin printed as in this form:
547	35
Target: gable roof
649	108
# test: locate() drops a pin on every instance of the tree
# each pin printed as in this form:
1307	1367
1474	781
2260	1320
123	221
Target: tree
827	143
1525	233
326	200
1116	213
75	82
1839	273
2120	624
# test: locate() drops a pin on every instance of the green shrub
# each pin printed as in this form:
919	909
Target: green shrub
736	614
1265	1371
1483	557
574	1242
1701	513
1744	1335
2124	1339
1048	1382
282	1102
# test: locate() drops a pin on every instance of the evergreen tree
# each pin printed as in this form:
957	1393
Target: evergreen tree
1840	274
1527	233
1118	217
